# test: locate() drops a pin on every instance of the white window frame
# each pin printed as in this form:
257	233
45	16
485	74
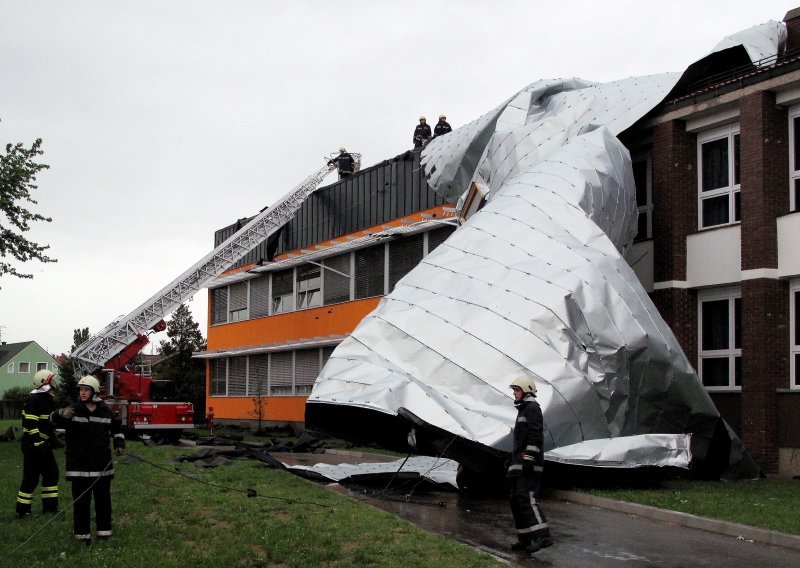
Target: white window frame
794	169
730	294
794	342
42	366
307	298
19	368
728	132
10	368
647	208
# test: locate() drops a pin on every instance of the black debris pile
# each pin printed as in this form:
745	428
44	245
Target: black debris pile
8	435
216	456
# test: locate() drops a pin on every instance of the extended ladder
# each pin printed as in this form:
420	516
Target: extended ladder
111	340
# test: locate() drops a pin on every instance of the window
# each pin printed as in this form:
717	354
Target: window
642	177
10	369
281	370
794	158
41	367
336	277
306	369
283	291
718	177
309	286
219	381
219	307
259	296
237	376
720	338
237	302
24	367
258	375
438	236
369	263
404	254
794	307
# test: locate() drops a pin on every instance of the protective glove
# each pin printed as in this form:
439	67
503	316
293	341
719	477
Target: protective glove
119	451
67	412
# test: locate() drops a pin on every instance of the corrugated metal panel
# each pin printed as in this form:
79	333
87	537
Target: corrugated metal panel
404	254
259	297
219	305
336	287
306	369
369	271
280	373
237	376
258	375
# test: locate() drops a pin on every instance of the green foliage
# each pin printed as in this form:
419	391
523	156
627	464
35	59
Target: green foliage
16	393
173	517
67	381
187	374
18	170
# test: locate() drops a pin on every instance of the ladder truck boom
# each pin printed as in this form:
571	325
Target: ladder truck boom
101	349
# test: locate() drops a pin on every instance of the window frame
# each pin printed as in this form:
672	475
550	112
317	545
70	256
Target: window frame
40	368
731	294
794	168
647	208
27	370
10	369
794	339
728	132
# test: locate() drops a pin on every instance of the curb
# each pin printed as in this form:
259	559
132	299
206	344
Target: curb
684	519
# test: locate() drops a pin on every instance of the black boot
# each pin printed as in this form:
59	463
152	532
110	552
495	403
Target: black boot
539	543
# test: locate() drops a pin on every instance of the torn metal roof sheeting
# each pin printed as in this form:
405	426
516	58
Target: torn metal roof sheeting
437	470
533	283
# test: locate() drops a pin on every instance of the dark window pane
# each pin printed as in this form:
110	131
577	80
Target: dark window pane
715	371
797	318
218	381
796	194
715	211
737	323
219	308
438	236
737	376
259	296
736	159
404	254
797	369
715	325
641	231
309	286
369	271
737	206
283	291
337	285
640	178
715	164
796	164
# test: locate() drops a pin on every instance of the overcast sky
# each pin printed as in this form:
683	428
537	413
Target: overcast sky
164	121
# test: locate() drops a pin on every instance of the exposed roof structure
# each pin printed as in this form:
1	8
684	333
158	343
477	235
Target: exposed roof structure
535	283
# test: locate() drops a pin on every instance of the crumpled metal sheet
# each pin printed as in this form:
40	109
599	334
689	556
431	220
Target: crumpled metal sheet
658	450
437	470
534	283
760	41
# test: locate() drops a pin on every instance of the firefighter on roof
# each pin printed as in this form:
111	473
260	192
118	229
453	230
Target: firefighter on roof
422	133
89	424
344	162
37	447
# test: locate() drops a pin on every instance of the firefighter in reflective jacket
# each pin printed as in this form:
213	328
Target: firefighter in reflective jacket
37	447
525	470
89	424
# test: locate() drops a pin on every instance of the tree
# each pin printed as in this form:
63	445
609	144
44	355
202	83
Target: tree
18	170
187	374
67	381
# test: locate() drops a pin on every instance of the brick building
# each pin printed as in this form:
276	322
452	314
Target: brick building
717	167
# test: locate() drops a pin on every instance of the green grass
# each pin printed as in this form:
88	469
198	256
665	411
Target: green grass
770	503
162	519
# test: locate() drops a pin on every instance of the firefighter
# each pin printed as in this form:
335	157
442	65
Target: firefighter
442	127
525	470
89	424
422	133
37	446
344	162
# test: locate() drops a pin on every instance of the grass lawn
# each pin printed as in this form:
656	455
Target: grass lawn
770	503
162	519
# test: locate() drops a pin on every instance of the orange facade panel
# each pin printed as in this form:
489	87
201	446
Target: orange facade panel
274	408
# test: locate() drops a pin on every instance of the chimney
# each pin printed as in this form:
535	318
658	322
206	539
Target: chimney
792	21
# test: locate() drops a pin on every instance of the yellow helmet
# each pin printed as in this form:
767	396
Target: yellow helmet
525	384
42	378
91	382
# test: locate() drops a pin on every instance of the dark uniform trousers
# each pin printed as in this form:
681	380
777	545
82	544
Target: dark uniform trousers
83	489
38	462
529	519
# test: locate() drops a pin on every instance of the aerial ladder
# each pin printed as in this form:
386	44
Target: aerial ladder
111	351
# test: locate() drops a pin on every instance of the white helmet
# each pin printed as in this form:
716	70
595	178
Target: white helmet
441	116
342	149
91	382
42	378
422	118
525	384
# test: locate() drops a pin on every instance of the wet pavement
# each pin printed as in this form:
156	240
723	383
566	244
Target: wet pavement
584	536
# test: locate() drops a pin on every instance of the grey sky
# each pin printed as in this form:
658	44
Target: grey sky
164	121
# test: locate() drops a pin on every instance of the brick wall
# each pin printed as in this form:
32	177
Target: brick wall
764	165
765	365
674	162
678	307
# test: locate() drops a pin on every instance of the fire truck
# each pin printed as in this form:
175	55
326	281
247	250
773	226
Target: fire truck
141	401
